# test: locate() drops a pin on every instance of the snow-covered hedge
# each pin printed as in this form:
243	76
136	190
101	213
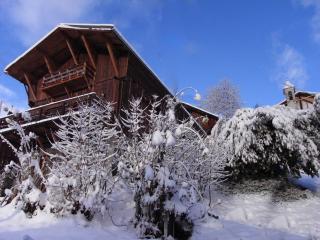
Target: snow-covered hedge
270	141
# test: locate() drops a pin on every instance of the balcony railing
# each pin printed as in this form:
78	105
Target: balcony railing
82	71
50	110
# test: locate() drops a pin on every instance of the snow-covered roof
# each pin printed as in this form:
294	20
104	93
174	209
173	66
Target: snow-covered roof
306	93
200	109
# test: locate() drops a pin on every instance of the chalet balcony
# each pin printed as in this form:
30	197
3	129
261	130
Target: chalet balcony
48	112
75	78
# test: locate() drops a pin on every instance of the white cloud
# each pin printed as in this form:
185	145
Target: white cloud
290	65
315	21
33	18
4	91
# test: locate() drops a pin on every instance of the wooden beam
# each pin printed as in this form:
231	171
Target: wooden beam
31	90
49	64
71	49
307	99
89	51
87	82
67	91
113	59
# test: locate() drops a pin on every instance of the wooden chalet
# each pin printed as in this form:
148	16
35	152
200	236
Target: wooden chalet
78	62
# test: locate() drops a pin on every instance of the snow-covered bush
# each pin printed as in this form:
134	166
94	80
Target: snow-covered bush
270	141
165	161
25	176
167	165
82	157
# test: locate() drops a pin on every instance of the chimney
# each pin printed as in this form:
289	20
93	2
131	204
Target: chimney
289	91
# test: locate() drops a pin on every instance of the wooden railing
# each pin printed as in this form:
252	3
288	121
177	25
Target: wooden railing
50	110
81	71
60	98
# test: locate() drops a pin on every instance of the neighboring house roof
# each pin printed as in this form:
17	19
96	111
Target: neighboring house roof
203	111
303	95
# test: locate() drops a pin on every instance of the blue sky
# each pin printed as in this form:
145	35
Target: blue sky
255	44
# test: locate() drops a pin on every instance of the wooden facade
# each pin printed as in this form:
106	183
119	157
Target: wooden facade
76	61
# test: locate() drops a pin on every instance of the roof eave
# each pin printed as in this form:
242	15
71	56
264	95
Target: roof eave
108	27
29	49
200	109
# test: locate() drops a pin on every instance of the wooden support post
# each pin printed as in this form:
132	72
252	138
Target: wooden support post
49	64
73	54
89	51
31	90
113	59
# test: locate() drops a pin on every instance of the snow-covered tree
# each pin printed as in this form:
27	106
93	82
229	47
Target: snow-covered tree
82	160
223	99
270	141
25	176
166	163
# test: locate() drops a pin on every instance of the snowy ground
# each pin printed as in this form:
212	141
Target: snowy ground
14	226
246	215
254	216
264	214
